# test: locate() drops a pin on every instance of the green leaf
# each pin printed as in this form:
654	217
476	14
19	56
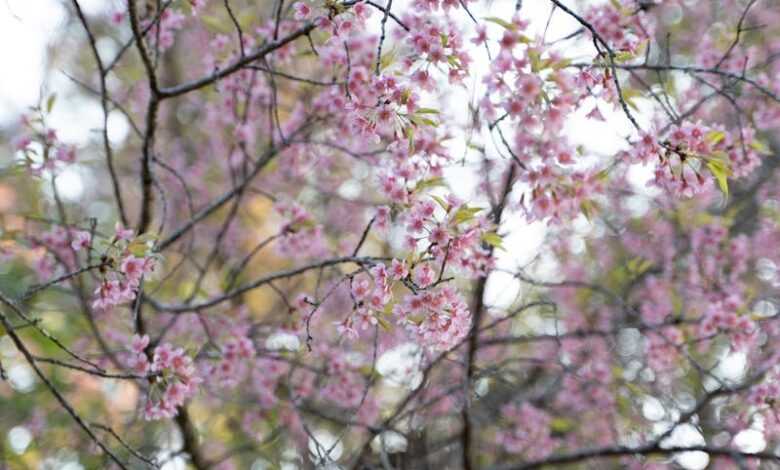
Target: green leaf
506	24
465	214
302	225
721	172
383	323
493	239
760	147
641	48
535	60
561	64
427	111
50	102
587	209
628	96
429	183
546	63
714	137
441	202
387	59
422	121
638	265
561	425
214	23
147	237
138	248
623	56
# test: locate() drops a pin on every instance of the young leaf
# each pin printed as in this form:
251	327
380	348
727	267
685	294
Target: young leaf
383	323
50	102
493	239
628	96
623	56
720	171
760	147
429	183
464	214
506	24
441	202
138	248
387	59
714	137
561	64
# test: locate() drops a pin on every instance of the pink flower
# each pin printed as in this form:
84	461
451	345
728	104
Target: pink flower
360	288
481	36
439	235
109	293
81	240
133	268
346	328
362	11
139	343
422	79
21	143
424	275
398	269
162	357
123	233
66	154
181	381
302	11
139	364
528	87
382	217
365	318
595	113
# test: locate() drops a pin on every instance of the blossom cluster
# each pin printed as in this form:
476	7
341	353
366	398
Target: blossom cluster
162	32
527	432
232	366
437	316
440	317
40	147
691	150
619	26
60	244
128	260
173	377
301	236
723	317
529	86
371	294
